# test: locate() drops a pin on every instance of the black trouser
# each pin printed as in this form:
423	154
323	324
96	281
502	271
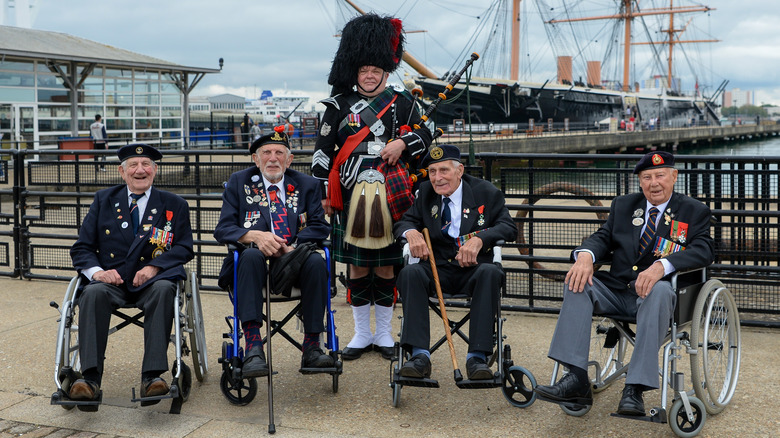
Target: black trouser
313	283
96	303
482	283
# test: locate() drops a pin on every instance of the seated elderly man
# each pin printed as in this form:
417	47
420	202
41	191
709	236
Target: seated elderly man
466	216
269	209
648	236
132	246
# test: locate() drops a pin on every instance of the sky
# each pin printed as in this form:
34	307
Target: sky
289	45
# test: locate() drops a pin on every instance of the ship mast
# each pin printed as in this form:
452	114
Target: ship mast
628	15
514	73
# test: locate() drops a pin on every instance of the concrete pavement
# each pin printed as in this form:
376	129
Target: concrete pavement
306	406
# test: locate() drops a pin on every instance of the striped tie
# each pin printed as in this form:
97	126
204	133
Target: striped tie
134	210
649	233
446	217
278	215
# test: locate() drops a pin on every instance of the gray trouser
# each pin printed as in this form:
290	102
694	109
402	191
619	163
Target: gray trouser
96	303
571	340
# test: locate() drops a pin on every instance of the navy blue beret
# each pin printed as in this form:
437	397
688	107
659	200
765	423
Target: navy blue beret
441	153
654	160
278	137
138	150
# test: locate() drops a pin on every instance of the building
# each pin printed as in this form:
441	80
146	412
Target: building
227	103
738	98
52	85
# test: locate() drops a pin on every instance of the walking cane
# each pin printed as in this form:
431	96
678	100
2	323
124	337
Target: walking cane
268	331
447	332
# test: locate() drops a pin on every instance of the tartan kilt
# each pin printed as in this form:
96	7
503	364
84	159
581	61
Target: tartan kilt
344	252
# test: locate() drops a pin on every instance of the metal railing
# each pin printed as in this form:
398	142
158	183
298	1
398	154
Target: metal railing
556	201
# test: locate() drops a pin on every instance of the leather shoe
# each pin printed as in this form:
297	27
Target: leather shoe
631	402
84	390
316	358
386	352
350	353
418	366
568	390
254	363
154	387
477	369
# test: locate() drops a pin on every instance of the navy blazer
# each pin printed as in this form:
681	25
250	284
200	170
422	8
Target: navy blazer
303	201
494	223
106	236
618	239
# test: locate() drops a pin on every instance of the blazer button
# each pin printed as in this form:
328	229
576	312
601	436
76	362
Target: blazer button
108	231
112	255
634	268
142	259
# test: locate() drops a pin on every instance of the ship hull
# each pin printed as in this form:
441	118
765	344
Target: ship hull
504	102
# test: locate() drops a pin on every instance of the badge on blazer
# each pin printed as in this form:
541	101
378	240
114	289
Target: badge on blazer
255	178
124	225
325	130
679	232
638	213
434	210
638	221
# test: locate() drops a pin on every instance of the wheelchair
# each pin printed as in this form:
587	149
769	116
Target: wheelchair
516	382
188	320
705	325
240	390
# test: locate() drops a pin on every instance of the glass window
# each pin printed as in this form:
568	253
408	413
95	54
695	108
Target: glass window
91	97
147	87
119	111
117	98
90	111
147	124
168	88
116	73
147	75
170	99
118	124
44	67
17	94
53	111
53	96
147	111
14	79
147	99
122	85
93	83
16	65
53	125
171	123
171	111
50	81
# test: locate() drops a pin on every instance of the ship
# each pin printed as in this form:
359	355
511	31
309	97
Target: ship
576	103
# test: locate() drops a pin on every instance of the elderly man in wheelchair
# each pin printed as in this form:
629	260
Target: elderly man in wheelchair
131	248
467	217
648	236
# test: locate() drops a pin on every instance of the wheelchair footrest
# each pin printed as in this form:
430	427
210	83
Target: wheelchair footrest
60	398
419	382
153	400
480	384
330	370
574	405
661	419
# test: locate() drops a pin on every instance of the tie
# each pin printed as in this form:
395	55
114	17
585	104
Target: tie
134	210
278	215
649	233
446	217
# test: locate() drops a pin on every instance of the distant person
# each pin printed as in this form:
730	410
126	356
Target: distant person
364	144
132	248
97	131
255	132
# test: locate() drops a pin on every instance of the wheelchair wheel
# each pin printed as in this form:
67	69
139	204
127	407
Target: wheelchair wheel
197	330
606	354
185	381
681	425
519	386
238	391
715	333
396	394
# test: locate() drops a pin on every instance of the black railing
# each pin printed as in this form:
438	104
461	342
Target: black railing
556	201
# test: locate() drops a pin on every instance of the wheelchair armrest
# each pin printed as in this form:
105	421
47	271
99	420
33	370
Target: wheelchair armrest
236	246
690	276
497	256
408	258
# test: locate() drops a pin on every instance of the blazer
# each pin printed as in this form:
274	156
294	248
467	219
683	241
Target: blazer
303	201
106	236
483	211
618	239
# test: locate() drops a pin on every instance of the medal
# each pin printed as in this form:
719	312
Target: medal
256	198
124	224
168	216
157	252
434	210
247	224
246	189
638	212
255	178
249	200
637	221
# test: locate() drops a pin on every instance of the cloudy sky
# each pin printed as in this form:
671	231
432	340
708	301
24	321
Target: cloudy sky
289	45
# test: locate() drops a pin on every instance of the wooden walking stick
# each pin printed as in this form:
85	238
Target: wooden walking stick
447	332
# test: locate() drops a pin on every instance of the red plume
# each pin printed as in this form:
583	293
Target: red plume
398	27
279	129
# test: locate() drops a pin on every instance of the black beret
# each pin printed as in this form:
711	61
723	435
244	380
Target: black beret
138	150
441	153
654	160
278	137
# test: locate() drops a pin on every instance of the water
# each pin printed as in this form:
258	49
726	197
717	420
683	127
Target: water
767	147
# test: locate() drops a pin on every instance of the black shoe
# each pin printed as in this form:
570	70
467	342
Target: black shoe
631	402
386	352
568	390
84	390
314	357
254	363
477	369
350	353
418	366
